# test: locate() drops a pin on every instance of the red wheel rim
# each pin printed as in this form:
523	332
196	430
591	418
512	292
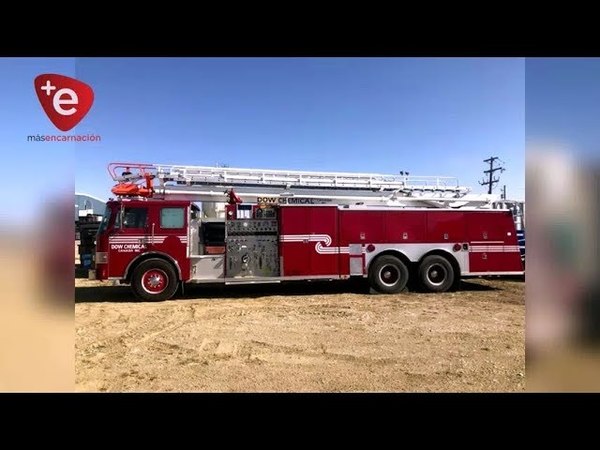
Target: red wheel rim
154	281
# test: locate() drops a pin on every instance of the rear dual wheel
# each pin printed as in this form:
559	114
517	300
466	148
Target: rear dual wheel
389	275
436	273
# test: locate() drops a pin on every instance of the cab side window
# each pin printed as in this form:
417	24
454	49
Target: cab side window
135	217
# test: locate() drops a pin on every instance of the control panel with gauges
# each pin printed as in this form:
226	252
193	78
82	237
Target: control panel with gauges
252	247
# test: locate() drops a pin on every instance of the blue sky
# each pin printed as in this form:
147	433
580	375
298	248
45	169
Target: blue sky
32	172
430	116
563	103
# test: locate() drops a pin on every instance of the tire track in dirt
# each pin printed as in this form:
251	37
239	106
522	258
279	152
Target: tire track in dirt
460	341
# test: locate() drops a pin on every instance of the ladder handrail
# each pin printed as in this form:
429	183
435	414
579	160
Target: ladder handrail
203	175
347	187
278	171
300	177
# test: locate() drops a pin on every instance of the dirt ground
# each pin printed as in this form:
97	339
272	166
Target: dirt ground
321	337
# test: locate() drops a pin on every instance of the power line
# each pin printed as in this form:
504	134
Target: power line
491	180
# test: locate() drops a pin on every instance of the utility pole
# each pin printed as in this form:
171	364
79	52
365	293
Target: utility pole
504	192
490	172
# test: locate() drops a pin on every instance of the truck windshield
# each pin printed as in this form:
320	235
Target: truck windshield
105	220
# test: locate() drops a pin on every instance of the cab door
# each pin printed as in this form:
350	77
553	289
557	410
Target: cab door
169	234
129	238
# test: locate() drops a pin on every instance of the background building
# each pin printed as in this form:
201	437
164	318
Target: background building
88	215
88	204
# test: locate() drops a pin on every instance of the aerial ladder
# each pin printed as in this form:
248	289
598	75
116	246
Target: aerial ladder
225	184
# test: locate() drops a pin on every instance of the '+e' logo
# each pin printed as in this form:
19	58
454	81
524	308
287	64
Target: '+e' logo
65	100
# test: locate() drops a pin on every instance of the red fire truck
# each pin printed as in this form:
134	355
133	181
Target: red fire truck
295	225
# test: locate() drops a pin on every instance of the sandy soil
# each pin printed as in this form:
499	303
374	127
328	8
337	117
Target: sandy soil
322	337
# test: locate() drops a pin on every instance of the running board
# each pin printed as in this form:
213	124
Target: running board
251	281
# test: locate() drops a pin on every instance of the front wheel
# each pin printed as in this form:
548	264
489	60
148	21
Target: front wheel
388	275
154	280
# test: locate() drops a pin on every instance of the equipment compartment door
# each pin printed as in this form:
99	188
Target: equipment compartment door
446	227
309	241
357	229
493	242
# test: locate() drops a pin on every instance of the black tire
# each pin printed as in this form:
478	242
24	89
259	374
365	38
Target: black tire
436	274
154	280
388	275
